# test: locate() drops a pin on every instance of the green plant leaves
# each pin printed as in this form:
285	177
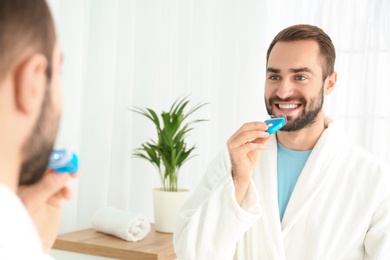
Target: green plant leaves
170	151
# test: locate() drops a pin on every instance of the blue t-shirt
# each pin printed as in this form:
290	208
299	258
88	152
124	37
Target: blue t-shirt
290	165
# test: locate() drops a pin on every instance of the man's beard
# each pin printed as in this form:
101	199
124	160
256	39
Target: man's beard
309	113
38	147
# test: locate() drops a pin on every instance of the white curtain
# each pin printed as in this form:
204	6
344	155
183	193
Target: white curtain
147	53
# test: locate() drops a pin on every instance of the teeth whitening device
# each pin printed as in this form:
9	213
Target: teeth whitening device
63	161
275	123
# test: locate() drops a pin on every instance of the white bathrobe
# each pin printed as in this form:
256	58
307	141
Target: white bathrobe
19	239
340	209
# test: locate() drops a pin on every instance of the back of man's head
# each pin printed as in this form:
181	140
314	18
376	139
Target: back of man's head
25	25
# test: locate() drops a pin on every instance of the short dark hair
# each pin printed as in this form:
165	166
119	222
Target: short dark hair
25	24
309	32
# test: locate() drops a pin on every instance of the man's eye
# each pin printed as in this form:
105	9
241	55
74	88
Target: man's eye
300	77
274	77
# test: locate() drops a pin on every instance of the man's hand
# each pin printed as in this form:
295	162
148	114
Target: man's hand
244	149
43	201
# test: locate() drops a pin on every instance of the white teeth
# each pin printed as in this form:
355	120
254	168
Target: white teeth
287	106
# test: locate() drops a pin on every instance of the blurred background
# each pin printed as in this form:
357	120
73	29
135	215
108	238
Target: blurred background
124	53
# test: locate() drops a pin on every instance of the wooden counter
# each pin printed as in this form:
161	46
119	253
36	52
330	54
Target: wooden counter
155	245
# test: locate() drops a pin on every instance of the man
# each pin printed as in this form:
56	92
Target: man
306	192
30	106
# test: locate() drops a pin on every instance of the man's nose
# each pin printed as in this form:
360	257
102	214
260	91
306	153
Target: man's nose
285	89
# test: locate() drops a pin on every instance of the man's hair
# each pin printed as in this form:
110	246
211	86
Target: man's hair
25	24
309	32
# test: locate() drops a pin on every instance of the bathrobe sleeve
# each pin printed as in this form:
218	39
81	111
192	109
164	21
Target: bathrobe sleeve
377	240
211	221
19	238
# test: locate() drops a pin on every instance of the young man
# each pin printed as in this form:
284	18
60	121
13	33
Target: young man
305	192
30	106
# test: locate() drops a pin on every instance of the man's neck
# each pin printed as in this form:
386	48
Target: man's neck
9	176
304	139
9	164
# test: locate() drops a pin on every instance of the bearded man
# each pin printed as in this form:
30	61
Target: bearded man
30	107
306	192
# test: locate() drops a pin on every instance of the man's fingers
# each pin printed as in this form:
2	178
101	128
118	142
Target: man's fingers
247	137
252	126
50	184
66	193
243	150
262	140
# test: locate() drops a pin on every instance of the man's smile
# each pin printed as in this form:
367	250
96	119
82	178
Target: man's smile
287	106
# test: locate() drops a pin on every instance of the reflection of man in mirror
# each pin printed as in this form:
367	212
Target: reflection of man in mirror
30	106
306	192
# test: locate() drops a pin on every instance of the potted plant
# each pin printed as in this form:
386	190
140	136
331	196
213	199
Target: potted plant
168	154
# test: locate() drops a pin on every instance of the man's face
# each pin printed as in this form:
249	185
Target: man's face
39	145
294	84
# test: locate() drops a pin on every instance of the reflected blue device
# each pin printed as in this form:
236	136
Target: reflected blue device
275	123
63	161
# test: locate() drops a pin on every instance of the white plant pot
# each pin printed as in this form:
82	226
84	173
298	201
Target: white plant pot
166	206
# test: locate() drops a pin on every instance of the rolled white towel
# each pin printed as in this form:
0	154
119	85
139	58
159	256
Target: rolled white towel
126	225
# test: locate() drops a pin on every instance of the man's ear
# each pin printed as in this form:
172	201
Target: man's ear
330	83
30	83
